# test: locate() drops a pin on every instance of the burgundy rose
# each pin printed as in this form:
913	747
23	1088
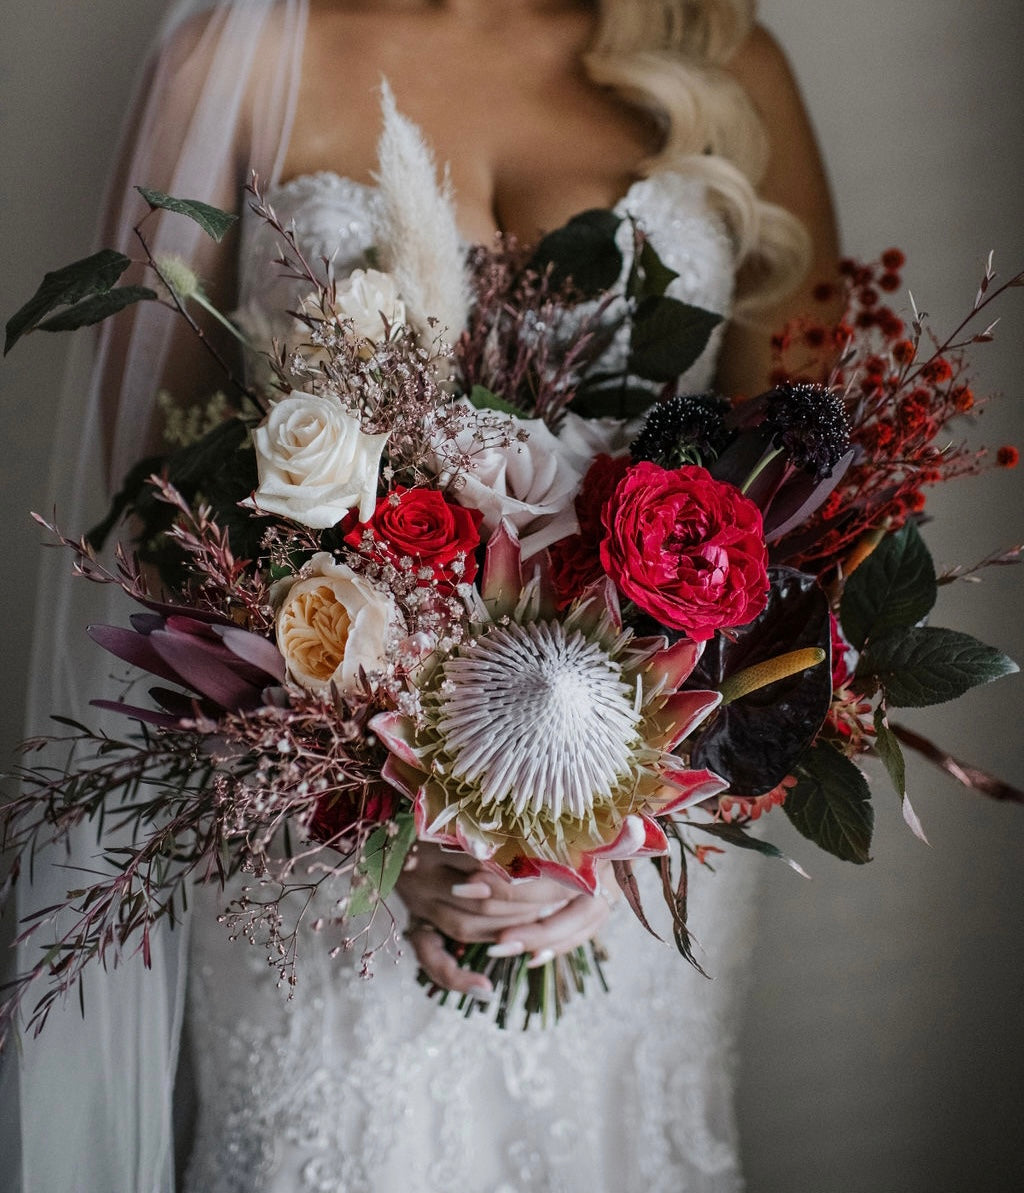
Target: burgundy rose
418	524
685	548
576	560
336	815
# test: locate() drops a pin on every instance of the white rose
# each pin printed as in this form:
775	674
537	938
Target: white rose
530	483
314	462
369	297
330	622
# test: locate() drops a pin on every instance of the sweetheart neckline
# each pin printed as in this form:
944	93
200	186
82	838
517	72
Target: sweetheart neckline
343	180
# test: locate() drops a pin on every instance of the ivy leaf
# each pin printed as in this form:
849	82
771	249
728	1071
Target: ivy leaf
584	250
97	308
831	804
924	665
483	399
212	220
81	279
667	337
381	863
894	587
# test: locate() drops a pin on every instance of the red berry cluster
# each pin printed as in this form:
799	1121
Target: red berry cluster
901	394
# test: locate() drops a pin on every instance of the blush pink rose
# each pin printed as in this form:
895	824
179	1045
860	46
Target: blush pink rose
685	548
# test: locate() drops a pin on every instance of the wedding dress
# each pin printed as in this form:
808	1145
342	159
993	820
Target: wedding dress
357	1085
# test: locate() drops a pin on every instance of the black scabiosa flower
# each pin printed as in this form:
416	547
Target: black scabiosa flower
684	429
809	423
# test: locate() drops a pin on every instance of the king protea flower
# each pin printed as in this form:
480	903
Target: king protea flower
544	743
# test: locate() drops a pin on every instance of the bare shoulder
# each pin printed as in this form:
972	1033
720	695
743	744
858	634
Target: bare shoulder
762	69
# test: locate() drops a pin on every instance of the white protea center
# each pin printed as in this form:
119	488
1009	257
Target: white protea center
536	719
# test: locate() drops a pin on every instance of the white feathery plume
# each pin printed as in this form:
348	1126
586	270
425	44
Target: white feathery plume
418	239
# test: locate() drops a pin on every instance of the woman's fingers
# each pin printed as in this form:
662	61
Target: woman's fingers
440	966
575	924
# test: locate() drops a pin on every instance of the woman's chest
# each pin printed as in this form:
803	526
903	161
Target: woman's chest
527	138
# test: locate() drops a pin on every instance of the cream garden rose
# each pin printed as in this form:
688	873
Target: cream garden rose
315	463
369	297
330	623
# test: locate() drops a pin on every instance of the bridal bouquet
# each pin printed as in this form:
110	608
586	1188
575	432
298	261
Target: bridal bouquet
470	569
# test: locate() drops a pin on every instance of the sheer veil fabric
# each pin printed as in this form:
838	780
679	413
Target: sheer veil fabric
215	101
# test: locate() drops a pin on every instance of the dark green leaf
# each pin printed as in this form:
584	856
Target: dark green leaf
91	275
925	665
733	834
212	220
611	399
755	741
381	863
667	337
650	275
483	399
894	587
584	251
887	747
97	308
831	804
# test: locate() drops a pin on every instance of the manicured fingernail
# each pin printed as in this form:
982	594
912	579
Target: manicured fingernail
541	958
510	948
482	993
545	912
471	890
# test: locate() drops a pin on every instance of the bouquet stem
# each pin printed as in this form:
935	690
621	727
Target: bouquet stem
543	991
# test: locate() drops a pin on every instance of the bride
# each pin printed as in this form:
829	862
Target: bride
681	114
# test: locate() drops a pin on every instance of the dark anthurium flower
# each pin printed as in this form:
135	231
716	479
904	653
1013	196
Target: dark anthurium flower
755	739
221	667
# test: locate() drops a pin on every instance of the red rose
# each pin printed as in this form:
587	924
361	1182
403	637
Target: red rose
418	524
686	548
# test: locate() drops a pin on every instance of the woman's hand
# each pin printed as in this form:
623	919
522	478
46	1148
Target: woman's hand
448	893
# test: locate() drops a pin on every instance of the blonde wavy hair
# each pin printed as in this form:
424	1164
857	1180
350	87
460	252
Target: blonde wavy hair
667	57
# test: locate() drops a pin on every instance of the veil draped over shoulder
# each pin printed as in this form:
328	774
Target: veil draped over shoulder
215	101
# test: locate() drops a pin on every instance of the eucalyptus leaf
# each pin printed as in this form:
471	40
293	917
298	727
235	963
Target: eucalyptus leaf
925	665
213	221
894	587
381	864
831	804
667	337
97	308
584	250
483	399
81	279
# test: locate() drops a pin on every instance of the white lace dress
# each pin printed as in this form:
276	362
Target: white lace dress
359	1085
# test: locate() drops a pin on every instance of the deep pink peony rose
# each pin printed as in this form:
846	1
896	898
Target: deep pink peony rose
685	548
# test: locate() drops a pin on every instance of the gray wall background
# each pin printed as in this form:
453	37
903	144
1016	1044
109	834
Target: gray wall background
885	1039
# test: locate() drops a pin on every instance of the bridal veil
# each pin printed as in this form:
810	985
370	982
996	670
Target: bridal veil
215	100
